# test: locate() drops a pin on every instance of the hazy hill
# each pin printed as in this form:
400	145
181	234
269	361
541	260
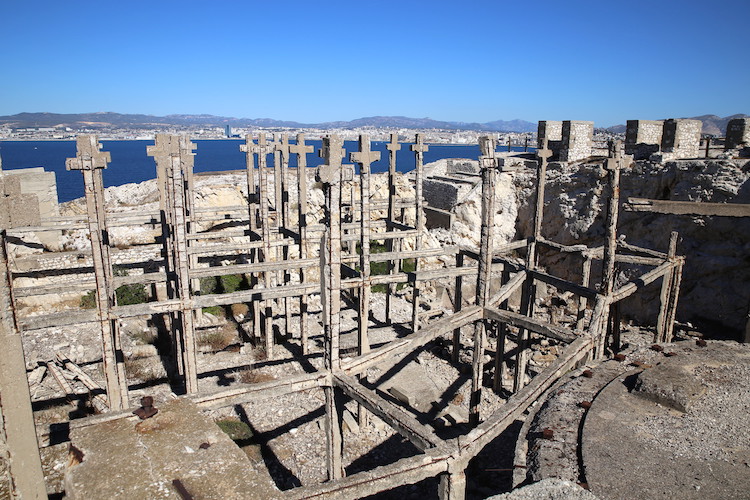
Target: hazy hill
118	120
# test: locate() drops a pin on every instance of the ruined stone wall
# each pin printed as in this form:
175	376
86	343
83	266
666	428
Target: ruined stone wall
643	138
738	133
716	280
681	139
577	138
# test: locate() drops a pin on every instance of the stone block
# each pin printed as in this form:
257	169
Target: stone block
12	185
669	385
577	139
436	218
643	138
682	138
440	194
460	166
738	133
127	458
23	210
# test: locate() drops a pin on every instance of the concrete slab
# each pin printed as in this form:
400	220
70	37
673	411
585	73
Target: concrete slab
141	459
634	447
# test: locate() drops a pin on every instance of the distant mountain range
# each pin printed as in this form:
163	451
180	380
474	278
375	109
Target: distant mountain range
118	120
712	124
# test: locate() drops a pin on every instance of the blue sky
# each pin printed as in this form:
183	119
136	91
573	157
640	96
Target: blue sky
473	61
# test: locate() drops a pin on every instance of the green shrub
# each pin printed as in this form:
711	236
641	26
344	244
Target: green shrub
235	429
88	301
131	294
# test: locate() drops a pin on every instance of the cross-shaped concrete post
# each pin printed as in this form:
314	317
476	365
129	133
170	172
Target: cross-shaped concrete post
90	160
301	150
419	148
392	244
174	156
365	157
330	175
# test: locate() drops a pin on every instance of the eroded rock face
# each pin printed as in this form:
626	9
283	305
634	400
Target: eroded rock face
716	274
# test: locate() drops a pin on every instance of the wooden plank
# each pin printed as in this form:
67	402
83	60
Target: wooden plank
634	285
532	324
403	422
412	342
687	208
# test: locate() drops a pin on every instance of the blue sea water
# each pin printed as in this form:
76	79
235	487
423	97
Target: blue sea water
131	164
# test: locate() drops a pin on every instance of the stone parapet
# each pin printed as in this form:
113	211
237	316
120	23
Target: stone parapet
738	133
681	138
577	139
643	138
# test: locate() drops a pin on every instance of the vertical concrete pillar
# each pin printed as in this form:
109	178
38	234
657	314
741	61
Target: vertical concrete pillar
175	154
419	148
392	244
330	175
452	486
488	164
252	207
91	161
17	419
301	151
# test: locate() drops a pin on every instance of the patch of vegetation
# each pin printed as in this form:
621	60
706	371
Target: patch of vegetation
223	284
251	376
131	294
218	339
235	429
217	311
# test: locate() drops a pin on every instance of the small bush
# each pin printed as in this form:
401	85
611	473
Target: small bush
235	429
218	339
128	295
250	376
217	311
88	301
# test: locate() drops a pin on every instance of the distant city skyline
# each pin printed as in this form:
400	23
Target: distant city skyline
329	61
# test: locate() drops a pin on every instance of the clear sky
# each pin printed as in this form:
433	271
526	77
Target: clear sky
474	61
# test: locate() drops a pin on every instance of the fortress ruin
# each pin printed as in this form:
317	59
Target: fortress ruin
335	292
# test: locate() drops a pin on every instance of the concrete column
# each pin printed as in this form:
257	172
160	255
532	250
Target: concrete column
488	163
392	244
301	151
419	148
18	431
91	161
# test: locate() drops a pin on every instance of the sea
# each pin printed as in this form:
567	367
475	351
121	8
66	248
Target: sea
131	164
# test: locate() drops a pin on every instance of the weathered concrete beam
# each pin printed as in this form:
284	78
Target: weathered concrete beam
403	422
687	208
406	471
482	435
633	286
565	285
413	342
532	324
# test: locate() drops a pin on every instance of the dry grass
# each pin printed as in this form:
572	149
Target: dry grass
251	376
218	339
